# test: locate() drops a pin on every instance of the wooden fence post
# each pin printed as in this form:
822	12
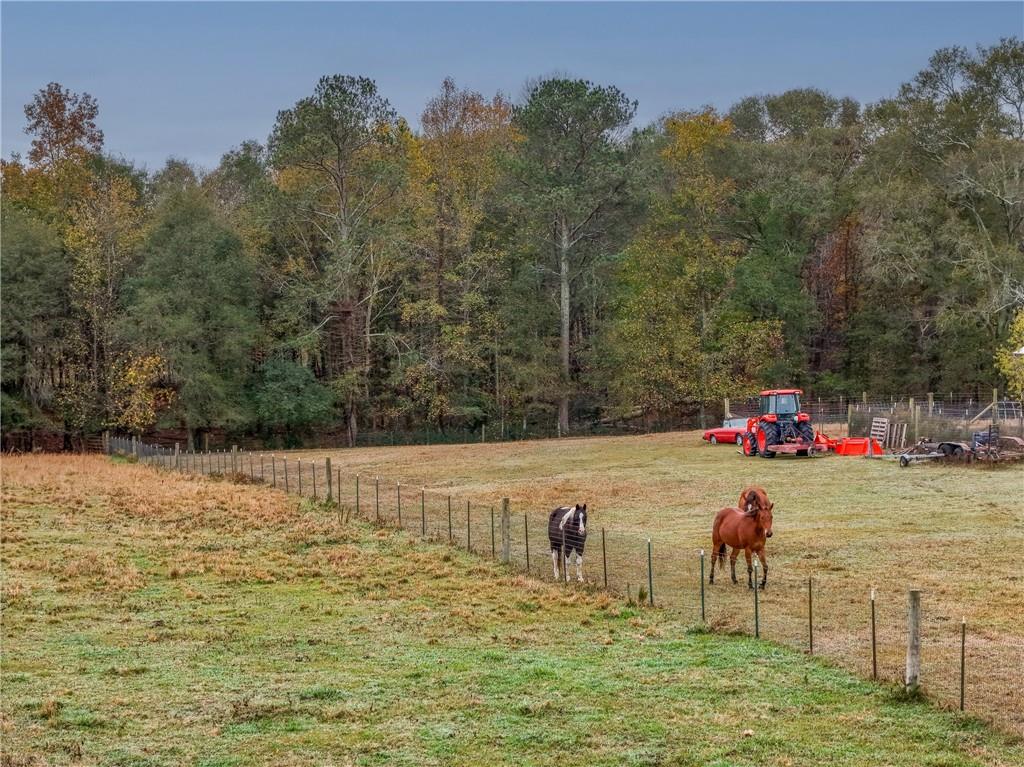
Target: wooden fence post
995	406
849	419
931	403
912	678
330	480
177	456
506	532
234	459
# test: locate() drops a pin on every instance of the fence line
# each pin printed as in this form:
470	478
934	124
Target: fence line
864	629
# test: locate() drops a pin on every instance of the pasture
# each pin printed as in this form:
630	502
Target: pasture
152	619
849	524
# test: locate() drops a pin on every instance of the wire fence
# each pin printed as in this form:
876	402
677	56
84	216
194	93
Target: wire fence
815	609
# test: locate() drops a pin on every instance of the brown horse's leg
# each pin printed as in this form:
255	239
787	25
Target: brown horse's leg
764	566
750	568
732	562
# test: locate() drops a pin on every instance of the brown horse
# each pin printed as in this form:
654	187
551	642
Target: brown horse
747	528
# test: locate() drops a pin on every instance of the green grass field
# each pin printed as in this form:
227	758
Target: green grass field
154	619
850	524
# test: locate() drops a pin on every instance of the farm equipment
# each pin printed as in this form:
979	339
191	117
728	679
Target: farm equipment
935	451
780	426
985	446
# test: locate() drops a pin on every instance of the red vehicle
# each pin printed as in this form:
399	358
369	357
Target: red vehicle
780	427
730	432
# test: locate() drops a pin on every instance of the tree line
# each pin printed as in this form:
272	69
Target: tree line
535	264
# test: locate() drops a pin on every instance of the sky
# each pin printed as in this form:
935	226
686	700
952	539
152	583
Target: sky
192	80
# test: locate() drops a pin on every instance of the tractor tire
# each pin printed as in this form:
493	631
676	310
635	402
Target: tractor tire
767	435
748	444
806	431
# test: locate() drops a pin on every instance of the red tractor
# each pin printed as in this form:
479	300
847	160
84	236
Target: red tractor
780	427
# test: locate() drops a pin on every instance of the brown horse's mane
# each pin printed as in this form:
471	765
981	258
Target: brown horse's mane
753	499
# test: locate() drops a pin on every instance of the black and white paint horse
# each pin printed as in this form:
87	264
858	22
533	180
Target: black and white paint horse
567	533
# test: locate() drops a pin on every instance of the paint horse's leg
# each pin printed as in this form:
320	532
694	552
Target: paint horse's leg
554	561
750	568
732	563
579	567
764	566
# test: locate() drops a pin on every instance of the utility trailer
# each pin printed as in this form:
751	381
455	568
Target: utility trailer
935	451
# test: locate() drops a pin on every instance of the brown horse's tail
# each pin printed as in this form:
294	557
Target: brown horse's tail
721	557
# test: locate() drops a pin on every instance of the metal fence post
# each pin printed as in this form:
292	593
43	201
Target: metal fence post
604	559
493	547
963	661
423	512
357	490
810	615
650	574
702	614
468	526
757	607
449	519
330	480
398	488
313	467
376	498
526	537
286	474
506	532
298	470
912	678
874	640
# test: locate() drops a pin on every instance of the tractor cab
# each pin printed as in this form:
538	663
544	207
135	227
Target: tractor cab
780	426
781	402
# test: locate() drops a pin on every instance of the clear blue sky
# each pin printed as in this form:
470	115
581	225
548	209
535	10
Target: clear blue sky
193	80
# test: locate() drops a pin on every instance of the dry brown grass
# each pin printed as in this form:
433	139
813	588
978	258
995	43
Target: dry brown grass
161	619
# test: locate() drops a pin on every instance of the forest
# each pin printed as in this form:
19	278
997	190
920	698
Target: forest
536	264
